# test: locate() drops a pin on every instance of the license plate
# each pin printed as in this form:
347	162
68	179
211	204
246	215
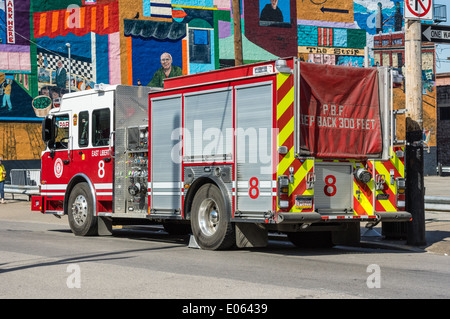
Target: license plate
303	203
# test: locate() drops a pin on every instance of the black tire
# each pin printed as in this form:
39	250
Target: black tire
319	239
210	219
80	211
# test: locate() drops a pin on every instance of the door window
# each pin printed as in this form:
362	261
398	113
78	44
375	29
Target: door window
100	127
83	129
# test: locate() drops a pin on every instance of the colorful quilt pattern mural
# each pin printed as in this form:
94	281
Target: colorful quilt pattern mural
123	41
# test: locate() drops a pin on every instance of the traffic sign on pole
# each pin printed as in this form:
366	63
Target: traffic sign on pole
418	9
435	33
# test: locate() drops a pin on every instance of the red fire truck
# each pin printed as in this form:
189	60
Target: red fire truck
230	155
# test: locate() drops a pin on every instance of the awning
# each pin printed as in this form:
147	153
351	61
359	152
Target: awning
100	19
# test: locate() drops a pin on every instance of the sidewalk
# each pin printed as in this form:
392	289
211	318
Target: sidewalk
437	223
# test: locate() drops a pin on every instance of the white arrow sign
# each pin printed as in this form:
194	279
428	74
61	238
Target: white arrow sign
434	33
427	33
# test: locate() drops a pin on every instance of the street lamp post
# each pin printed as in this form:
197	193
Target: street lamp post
70	67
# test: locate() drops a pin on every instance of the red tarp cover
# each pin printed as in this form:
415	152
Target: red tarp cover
339	112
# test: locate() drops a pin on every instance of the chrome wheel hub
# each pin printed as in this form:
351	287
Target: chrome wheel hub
208	217
80	210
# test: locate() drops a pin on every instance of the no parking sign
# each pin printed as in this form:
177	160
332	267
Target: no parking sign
419	9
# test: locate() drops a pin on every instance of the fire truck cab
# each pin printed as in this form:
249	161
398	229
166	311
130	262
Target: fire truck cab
230	155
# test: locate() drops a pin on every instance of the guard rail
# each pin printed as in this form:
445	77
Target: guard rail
437	203
21	190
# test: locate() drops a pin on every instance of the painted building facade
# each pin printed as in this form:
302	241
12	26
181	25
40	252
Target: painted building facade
389	49
121	41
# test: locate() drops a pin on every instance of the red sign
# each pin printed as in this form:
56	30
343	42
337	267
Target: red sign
419	9
339	112
10	28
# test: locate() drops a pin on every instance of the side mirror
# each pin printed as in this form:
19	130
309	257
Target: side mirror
48	129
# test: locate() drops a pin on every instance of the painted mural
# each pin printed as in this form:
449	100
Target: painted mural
51	47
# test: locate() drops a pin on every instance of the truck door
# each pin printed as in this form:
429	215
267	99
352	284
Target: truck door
333	188
91	150
165	163
57	159
254	105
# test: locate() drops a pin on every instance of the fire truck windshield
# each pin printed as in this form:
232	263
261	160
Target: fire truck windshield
61	132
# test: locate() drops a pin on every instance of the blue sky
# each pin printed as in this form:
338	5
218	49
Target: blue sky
443	50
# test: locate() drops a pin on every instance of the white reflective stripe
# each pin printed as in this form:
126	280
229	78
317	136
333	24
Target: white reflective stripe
267	194
64	186
348	217
103	186
53	186
52	194
265	184
104	193
262	194
242	184
167	185
261	184
167	193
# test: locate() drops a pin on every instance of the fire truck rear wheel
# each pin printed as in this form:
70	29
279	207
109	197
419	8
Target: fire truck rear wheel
80	211
210	219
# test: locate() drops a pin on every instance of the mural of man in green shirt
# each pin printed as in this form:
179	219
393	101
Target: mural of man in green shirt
167	70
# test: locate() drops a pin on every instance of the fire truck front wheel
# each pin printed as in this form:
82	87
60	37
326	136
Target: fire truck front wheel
80	211
210	219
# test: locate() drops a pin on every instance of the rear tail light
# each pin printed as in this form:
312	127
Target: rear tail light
283	191
401	190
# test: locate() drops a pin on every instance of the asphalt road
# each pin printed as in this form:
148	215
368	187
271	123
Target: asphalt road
41	258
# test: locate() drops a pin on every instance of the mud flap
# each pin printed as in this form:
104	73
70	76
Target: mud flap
104	225
251	235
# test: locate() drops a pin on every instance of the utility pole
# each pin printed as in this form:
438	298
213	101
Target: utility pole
415	189
238	57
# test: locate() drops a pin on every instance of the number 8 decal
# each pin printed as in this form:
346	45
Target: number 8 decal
101	169
253	191
329	185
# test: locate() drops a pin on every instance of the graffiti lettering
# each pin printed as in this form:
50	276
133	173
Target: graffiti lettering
343	51
335	51
11	34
